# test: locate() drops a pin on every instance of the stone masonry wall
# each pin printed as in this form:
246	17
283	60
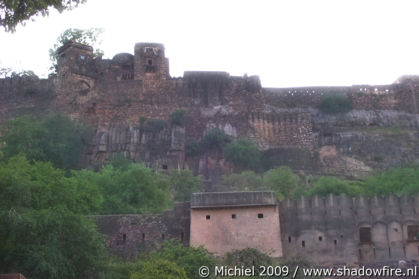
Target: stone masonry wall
341	229
131	235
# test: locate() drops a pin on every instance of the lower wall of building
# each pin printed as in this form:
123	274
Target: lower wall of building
342	229
129	236
221	230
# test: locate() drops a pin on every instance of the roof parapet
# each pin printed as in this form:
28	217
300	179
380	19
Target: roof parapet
233	199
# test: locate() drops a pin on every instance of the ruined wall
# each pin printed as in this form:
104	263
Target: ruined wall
131	235
400	97
341	229
25	95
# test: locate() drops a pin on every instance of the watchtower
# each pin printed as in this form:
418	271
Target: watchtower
150	61
75	58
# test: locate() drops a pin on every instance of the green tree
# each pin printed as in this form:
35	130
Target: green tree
244	154
215	139
184	183
159	268
54	138
132	190
248	258
332	185
178	117
282	180
244	181
396	181
14	12
187	257
83	36
43	231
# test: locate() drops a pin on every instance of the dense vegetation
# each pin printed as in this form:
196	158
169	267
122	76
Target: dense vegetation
55	138
46	196
282	180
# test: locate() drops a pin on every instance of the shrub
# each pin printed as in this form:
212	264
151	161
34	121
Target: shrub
333	104
248	258
283	181
215	139
154	125
193	148
245	181
188	258
332	185
184	183
178	117
244	154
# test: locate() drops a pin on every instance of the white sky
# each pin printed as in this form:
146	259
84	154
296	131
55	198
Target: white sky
286	43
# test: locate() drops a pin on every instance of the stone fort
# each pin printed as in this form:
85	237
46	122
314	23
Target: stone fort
119	96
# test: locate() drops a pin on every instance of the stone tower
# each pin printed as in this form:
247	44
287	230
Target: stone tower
150	62
75	58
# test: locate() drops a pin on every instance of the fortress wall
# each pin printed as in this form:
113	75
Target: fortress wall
342	229
130	235
364	97
25	95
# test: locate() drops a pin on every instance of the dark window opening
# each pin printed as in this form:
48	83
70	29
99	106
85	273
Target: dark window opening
233	216
260	215
162	236
365	235
341	236
150	62
124	238
182	235
143	237
208	217
320	238
303	243
165	167
336	242
413	233
289	239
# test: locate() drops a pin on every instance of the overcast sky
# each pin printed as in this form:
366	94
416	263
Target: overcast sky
286	43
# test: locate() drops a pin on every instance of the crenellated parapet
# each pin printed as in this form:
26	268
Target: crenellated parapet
351	229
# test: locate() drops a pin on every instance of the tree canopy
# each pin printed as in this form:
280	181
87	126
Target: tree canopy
43	231
13	12
54	138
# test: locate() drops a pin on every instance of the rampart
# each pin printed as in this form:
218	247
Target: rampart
325	230
131	235
342	229
402	96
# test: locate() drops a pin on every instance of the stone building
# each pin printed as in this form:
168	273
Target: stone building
224	221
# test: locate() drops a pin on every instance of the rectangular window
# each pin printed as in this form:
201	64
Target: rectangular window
208	217
413	233
260	215
233	216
